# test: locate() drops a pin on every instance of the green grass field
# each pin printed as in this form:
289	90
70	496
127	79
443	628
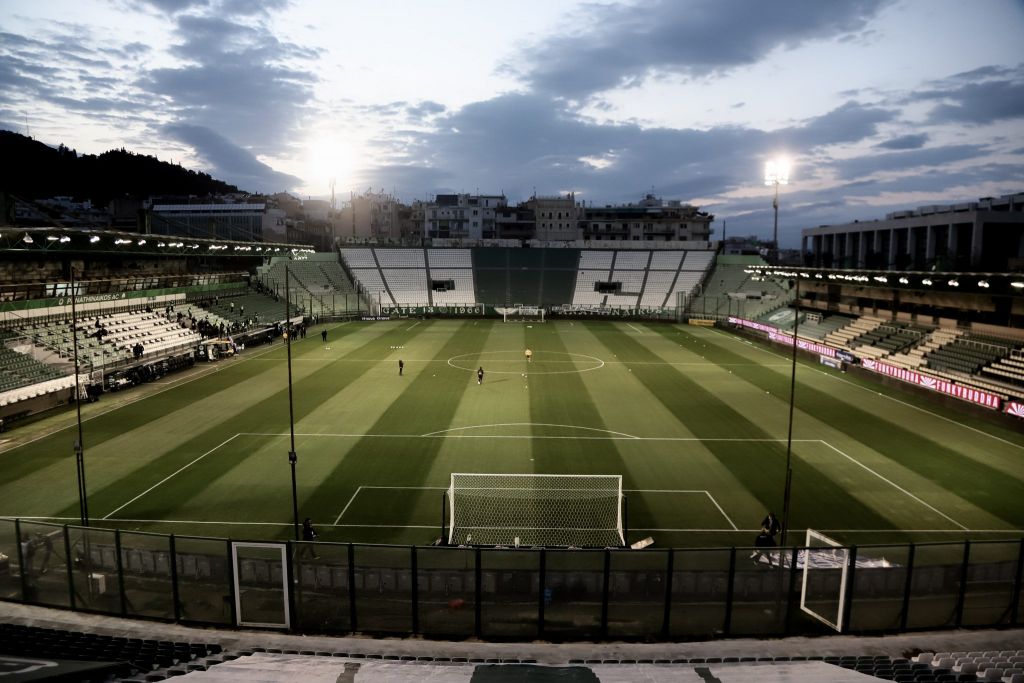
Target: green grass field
694	419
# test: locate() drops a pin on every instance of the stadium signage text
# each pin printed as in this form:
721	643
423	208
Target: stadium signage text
831	362
787	339
975	396
1015	408
431	310
92	298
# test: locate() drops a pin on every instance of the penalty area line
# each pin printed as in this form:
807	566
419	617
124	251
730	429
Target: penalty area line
169	476
896	486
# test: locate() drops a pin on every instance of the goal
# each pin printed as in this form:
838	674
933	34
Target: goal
567	510
523	314
823	591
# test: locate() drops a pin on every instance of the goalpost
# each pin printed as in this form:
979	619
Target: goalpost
823	595
523	314
576	510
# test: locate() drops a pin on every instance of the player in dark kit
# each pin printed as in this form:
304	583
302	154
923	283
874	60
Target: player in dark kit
480	375
401	366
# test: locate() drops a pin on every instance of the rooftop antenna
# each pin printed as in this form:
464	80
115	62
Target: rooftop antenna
334	204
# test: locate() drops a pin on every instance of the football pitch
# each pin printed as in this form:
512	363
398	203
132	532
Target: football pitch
694	420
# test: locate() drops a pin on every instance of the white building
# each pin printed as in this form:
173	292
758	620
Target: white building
462	216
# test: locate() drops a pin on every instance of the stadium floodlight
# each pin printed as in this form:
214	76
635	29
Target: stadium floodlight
953	283
1017	285
51	238
27	239
141	242
65	239
94	239
983	284
904	281
926	282
776	172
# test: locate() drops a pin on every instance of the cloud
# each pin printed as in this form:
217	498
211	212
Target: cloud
621	45
934	157
236	76
227	161
911	141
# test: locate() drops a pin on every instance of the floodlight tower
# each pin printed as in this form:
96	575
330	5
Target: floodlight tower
776	172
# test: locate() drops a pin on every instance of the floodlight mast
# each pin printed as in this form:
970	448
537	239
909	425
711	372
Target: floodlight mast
776	172
83	501
293	457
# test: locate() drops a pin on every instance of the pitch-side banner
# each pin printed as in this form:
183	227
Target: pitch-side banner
975	396
1014	408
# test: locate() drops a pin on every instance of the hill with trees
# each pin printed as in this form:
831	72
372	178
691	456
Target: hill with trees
33	170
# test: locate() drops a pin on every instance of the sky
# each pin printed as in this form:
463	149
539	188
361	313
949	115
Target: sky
879	105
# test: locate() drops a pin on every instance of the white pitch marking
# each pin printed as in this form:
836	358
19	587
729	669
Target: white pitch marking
529	424
731	523
895	485
626	437
169	476
344	509
636	328
413	325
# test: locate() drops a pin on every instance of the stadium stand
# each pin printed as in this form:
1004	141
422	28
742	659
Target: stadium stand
464	291
359	257
317	283
816	326
261	309
449	258
400	258
586	294
126	657
408	286
728	289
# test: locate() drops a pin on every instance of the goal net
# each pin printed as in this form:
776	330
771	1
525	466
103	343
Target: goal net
825	569
520	313
582	511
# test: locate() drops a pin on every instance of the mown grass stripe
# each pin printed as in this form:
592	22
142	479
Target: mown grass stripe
758	466
270	414
986	487
428	402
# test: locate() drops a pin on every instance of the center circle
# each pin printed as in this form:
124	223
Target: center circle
512	362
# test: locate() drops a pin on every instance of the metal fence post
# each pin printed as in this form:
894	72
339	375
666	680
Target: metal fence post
415	594
905	611
120	571
727	625
1015	606
71	566
962	592
478	593
542	579
667	615
24	574
604	592
231	582
173	561
851	577
353	623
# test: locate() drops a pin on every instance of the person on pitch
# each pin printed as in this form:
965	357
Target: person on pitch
480	375
772	525
401	366
529	355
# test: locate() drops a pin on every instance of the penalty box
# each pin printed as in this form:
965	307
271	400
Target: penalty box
418	507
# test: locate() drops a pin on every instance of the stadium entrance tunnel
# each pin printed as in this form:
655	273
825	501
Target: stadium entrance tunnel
514	362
